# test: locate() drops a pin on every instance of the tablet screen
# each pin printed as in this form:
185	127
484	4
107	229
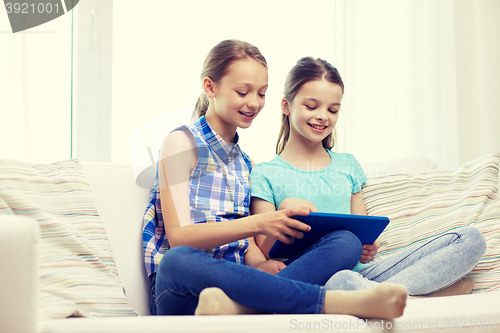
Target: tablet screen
366	228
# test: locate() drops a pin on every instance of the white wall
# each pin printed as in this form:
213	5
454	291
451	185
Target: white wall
92	96
158	56
398	59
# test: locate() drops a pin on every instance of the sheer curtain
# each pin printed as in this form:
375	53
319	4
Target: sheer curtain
478	76
35	91
409	77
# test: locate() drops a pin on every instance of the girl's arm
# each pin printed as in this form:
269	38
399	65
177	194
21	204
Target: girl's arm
358	207
178	158
260	206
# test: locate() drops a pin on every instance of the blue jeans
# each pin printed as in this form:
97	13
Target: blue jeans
184	272
423	268
333	252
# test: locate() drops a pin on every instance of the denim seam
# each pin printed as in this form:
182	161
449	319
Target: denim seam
321	302
152	286
409	254
458	279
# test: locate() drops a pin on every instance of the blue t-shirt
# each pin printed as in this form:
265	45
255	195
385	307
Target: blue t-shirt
329	189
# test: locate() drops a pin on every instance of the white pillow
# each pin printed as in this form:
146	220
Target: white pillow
78	275
423	205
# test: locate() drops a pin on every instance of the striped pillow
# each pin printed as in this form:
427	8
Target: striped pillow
78	275
423	205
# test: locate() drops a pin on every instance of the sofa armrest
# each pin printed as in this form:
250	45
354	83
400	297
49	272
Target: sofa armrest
19	238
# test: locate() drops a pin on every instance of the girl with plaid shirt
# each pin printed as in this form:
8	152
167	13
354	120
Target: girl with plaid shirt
198	237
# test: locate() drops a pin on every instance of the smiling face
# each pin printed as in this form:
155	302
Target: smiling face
239	96
314	110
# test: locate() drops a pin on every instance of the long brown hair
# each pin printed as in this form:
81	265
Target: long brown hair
305	70
217	63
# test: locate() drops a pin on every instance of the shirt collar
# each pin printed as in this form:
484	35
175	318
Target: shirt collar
225	151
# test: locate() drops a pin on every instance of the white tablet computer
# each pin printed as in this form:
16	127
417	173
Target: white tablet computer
366	228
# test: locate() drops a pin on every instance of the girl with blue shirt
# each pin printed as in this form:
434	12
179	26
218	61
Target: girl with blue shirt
198	237
307	173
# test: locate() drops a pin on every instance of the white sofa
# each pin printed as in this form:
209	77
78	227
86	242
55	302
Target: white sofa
121	203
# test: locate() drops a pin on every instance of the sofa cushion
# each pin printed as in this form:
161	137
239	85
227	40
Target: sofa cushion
473	313
421	206
78	275
121	204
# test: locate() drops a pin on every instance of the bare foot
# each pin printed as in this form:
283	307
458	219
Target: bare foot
461	287
214	301
385	301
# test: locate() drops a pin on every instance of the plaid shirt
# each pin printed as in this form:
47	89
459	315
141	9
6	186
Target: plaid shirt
219	190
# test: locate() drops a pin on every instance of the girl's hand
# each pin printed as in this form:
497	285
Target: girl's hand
271	266
369	251
297	203
281	226
276	225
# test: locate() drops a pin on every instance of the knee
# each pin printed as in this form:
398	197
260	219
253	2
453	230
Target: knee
475	241
348	242
176	259
352	241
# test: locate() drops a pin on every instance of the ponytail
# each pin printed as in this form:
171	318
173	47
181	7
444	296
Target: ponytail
201	107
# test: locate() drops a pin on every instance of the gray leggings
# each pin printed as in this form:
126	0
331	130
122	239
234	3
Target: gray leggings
422	268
